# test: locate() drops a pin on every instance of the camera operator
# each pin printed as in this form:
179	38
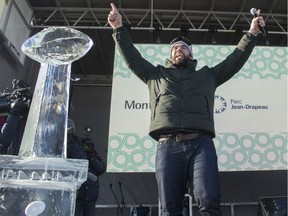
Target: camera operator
17	107
74	148
88	193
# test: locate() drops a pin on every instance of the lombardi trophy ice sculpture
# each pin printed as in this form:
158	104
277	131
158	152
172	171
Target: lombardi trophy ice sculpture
41	180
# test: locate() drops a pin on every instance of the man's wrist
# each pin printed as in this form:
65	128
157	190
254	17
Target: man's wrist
119	28
253	32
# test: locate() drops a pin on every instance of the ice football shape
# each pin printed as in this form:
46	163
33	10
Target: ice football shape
57	45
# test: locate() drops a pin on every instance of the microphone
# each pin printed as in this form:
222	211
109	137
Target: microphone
122	201
119	208
254	12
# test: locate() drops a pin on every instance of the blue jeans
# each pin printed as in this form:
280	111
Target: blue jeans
190	160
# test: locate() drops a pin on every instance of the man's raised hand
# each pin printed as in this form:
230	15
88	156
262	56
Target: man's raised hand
114	17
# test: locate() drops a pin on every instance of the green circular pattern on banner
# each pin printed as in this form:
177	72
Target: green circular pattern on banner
271	155
115	143
165	50
197	51
121	160
234	152
224	158
210	52
154	53
148	143
247	142
231	139
150	51
239	156
262	139
255	158
131	140
261	64
279	141
138	157
271	60
280	53
266	53
274	67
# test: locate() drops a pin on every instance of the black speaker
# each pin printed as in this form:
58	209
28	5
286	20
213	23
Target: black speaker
272	206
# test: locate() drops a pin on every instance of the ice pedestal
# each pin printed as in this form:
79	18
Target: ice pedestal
53	181
41	180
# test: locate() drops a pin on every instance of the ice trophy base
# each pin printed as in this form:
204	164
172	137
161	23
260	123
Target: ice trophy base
26	182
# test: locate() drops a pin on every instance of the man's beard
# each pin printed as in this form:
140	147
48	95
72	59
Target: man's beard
182	63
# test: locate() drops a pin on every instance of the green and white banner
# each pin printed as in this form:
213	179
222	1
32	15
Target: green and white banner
250	112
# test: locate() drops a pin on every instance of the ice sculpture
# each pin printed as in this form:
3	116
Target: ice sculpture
41	180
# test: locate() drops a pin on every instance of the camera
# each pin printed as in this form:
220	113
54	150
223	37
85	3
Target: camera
20	90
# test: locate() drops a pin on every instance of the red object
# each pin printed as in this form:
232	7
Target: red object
2	120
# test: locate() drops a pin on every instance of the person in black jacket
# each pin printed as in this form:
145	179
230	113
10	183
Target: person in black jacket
88	193
74	147
13	129
83	148
182	103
